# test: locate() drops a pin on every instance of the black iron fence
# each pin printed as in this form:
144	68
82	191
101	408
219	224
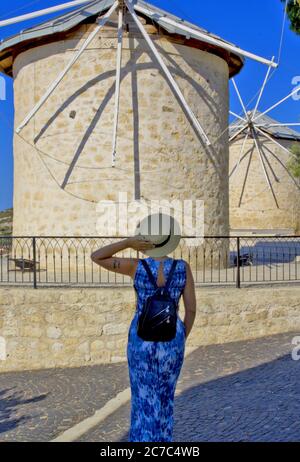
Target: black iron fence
66	261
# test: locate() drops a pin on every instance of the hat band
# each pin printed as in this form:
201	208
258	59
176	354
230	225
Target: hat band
164	242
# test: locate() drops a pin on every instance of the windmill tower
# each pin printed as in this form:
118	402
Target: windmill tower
118	97
254	202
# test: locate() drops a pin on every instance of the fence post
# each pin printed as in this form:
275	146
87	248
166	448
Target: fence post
238	274
34	263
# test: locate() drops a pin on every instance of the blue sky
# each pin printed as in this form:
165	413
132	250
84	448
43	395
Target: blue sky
254	26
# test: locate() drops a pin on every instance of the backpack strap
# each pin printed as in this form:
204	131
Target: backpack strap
151	277
170	274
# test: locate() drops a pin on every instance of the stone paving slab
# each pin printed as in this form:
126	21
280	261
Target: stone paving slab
38	405
241	391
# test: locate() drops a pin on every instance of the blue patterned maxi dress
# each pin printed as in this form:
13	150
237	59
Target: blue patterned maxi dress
154	367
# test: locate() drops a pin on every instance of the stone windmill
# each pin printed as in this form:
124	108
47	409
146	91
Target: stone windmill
264	194
117	96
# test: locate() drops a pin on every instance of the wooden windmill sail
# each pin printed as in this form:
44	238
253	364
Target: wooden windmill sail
164	20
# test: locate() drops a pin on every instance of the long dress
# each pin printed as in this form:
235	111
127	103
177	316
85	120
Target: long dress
154	366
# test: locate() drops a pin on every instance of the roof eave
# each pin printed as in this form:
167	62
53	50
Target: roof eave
66	22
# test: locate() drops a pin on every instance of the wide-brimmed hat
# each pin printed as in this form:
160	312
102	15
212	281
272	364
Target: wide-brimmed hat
161	229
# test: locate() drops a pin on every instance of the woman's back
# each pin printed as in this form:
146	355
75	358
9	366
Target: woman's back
154	367
144	286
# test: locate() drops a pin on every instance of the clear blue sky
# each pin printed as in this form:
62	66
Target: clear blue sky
254	26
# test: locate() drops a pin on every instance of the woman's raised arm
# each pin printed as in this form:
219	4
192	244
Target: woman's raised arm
104	255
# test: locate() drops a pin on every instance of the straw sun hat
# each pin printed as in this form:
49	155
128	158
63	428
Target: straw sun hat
161	229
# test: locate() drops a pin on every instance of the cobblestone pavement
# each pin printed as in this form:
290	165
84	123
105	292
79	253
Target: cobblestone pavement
242	391
39	405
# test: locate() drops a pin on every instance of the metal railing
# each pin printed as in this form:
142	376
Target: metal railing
41	261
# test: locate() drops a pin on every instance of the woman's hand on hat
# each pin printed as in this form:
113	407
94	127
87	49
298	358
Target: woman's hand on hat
139	243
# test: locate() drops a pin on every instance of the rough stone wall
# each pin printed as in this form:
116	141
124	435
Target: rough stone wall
258	209
62	163
57	327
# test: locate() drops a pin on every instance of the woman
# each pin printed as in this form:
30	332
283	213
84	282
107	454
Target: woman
154	367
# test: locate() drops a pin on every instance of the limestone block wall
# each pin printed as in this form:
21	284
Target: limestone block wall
258	209
62	162
57	327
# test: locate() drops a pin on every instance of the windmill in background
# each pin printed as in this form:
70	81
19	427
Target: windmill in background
264	194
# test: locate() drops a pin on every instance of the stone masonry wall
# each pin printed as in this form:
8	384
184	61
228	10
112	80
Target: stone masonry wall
60	327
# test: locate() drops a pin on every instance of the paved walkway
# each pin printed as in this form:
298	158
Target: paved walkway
242	391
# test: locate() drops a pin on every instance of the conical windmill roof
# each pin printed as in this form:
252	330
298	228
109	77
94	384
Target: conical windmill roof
34	36
277	132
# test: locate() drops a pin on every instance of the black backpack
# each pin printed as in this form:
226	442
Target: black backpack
158	319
